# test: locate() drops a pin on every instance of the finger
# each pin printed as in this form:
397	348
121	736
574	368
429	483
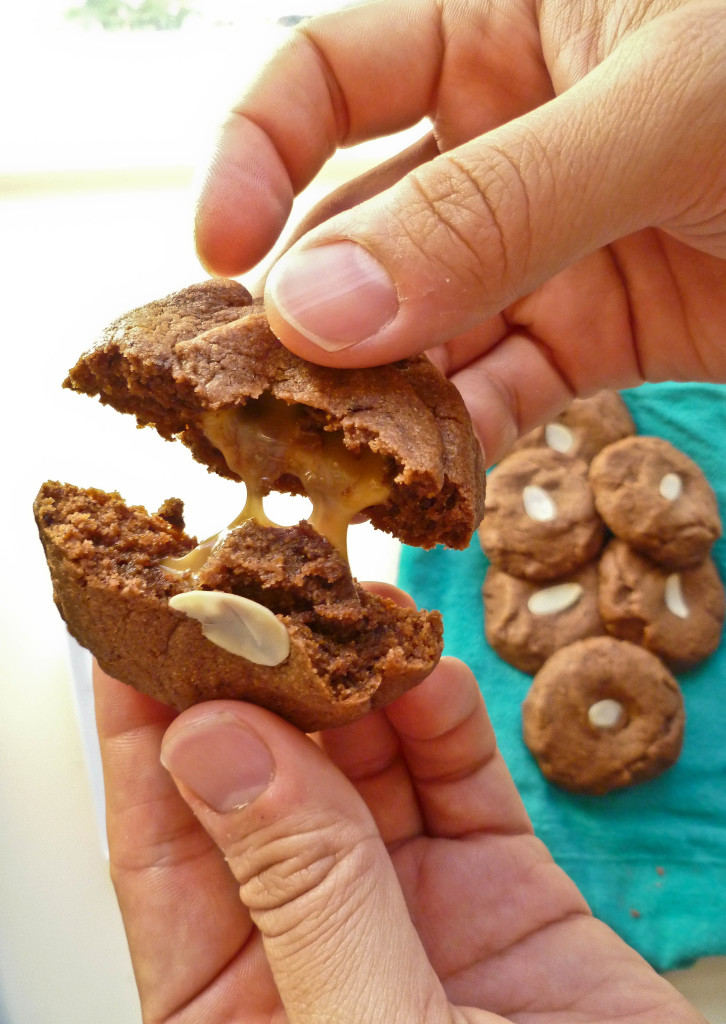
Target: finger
433	768
390	593
468	233
509	390
568	339
368	752
450	750
171	881
367	185
340	78
311	868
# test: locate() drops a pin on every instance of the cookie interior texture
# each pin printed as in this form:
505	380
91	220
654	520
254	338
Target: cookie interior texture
394	442
351	651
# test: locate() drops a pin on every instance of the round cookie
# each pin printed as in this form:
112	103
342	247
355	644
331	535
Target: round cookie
584	428
654	497
527	622
603	714
202	364
540	521
677	615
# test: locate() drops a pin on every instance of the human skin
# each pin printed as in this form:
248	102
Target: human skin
562	229
385	871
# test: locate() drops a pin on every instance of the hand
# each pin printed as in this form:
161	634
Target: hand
570	236
271	887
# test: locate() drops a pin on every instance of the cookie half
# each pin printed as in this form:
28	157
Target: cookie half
603	714
348	651
394	442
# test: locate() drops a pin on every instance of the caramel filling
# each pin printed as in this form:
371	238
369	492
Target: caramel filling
267	440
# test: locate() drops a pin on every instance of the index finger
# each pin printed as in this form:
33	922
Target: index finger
339	79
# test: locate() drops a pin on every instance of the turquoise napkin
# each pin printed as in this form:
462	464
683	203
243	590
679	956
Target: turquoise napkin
651	860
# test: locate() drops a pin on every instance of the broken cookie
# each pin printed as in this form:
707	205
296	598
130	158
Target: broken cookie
187	621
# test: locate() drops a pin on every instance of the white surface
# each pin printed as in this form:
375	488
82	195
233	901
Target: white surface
70	261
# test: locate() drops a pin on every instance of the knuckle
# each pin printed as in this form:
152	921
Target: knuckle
294	879
470	212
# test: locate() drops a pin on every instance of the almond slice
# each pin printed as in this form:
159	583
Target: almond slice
605	714
674	600
538	504
559	437
671	486
556	599
236	624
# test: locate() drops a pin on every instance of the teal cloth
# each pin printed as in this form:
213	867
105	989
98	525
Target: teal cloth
650	860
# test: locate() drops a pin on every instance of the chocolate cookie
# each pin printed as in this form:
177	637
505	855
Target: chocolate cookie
657	499
261	612
527	622
202	365
603	714
320	650
540	520
677	615
585	427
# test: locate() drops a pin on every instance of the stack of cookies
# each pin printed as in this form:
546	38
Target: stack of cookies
601	585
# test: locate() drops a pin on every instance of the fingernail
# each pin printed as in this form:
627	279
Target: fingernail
220	759
336	295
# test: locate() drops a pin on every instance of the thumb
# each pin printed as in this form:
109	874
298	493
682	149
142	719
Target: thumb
312	869
460	238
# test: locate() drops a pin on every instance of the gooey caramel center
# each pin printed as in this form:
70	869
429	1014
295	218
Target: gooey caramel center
267	440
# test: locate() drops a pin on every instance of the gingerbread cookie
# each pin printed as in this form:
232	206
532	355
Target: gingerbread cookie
603	714
657	499
527	622
678	615
540	520
584	428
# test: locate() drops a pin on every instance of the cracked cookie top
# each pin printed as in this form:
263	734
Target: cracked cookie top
182	362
